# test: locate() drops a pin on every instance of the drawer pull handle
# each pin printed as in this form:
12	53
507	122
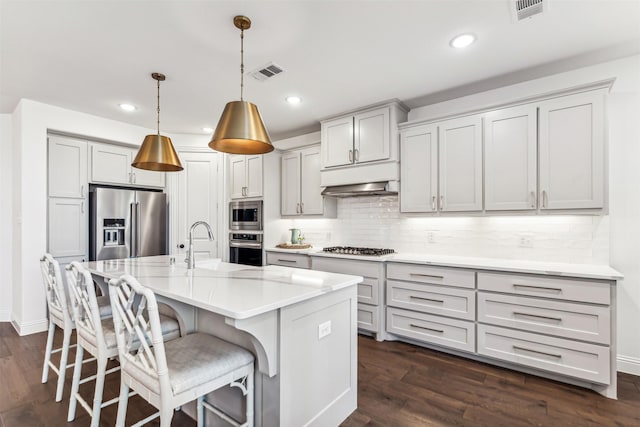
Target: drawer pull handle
440	331
426	299
518	313
433	276
287	260
542	288
516	347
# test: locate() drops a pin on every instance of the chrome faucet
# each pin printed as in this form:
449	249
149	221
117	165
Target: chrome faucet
190	260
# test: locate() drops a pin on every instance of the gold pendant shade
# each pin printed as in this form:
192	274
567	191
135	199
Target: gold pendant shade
240	130
157	154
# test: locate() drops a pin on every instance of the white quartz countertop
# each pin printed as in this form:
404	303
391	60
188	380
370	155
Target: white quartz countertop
233	290
589	271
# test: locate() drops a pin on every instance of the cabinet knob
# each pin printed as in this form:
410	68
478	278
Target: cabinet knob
181	246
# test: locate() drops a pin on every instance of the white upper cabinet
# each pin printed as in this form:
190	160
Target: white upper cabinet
419	169
460	164
572	152
68	227
300	183
372	137
111	164
337	142
510	179
245	176
67	167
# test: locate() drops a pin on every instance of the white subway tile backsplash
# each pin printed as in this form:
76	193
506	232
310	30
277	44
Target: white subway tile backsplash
377	222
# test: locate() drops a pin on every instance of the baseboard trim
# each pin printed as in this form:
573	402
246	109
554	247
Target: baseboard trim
28	328
629	365
5	316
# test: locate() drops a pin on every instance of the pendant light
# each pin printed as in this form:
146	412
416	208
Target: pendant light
156	152
240	129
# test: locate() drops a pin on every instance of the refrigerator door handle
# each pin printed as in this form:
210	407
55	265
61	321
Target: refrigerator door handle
138	242
132	230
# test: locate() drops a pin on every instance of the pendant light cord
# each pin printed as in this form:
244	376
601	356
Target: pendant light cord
241	63
158	109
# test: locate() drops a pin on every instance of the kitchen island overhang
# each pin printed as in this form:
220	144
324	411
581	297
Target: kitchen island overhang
300	324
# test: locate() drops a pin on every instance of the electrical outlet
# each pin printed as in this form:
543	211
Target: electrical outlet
525	240
431	236
324	329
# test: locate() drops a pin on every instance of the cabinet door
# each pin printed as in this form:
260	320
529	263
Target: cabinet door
290	183
237	176
197	201
145	177
337	142
510	159
254	176
67	227
572	152
372	138
460	162
312	203
419	169
67	167
110	164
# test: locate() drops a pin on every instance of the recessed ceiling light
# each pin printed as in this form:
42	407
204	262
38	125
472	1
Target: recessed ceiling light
207	130
293	100
128	107
463	40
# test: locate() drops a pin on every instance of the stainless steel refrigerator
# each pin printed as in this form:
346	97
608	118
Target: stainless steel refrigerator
126	223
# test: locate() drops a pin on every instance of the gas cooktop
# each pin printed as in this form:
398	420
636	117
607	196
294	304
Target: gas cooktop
351	250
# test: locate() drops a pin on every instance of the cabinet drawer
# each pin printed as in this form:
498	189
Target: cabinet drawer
348	266
576	359
442	331
564	319
432	275
368	316
567	289
289	260
368	291
443	300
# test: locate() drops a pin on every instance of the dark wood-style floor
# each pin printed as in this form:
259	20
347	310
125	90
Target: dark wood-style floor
398	385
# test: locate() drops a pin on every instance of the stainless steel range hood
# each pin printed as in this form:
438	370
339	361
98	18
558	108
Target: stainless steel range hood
369	189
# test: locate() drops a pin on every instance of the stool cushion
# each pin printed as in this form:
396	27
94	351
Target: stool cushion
170	331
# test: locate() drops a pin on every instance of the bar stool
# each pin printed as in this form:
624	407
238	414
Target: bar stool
171	374
96	335
60	315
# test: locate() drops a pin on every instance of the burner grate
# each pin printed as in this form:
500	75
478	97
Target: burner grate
351	250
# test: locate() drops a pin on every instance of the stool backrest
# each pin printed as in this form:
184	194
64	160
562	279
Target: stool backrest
55	291
138	333
84	303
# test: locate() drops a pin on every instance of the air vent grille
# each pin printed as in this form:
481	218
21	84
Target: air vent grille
523	9
266	72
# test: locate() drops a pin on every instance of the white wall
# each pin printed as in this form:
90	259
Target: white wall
6	179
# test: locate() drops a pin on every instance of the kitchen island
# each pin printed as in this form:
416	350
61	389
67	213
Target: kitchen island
300	324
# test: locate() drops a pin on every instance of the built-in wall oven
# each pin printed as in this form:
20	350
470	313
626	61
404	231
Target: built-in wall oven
245	248
245	215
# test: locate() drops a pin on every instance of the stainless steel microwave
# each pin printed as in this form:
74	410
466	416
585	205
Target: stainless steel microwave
245	215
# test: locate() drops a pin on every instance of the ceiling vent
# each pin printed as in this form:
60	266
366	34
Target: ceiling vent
523	9
266	72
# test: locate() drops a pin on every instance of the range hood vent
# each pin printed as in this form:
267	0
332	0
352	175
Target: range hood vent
523	9
353	190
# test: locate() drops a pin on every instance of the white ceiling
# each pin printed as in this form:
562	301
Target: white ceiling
90	56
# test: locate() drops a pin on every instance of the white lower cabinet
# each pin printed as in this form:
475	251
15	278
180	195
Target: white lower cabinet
288	260
370	290
68	227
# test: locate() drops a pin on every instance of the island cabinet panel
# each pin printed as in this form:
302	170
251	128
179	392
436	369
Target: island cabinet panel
370	290
438	330
567	357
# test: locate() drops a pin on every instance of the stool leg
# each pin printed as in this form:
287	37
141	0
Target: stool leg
47	353
250	400
122	404
200	412
97	395
63	363
166	414
75	384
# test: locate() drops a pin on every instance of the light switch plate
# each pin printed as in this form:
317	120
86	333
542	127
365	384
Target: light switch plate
324	329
